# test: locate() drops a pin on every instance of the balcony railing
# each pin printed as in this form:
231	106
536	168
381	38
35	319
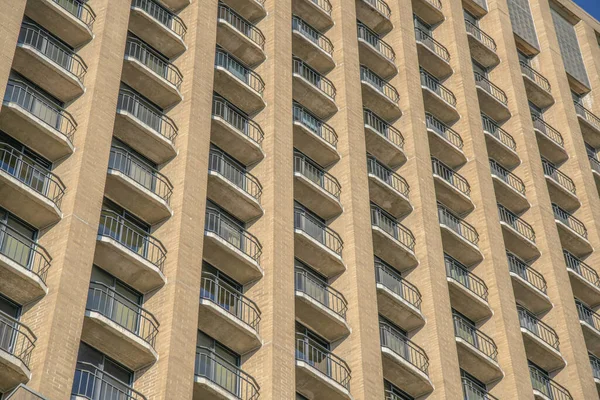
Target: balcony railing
400	345
383	128
242	25
219	163
559	177
24	169
462	228
95	384
149	115
519	267
430	82
473	391
397	182
586	314
508	177
324	5
24	251
16	339
125	313
366	75
392	280
547	386
230	300
466	278
476	338
321	292
313	354
539	329
220	225
237	69
313	77
27	98
584	270
595	362
490	126
519	225
32	35
497	93
548	130
316	174
80	10
535	76
312	34
152	59
435	46
162	15
594	163
117	228
392	227
443	130
590	117
317	230
480	35
366	34
228	112
455	179
380	6
566	218
314	124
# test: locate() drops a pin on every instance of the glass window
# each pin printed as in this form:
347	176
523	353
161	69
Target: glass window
17	238
393	393
471	18
420	24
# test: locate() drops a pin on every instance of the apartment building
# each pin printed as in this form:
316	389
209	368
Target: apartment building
299	199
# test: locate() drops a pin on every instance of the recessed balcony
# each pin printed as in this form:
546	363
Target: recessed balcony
451	188
541	341
433	56
228	316
378	95
430	11
91	382
560	187
529	286
585	281
252	10
383	141
158	27
509	188
70	20
131	255
590	324
240	37
41	58
545	388
315	188
458	237
387	189
375	14
537	87
311	46
39	124
500	144
119	328
595	164
375	53
472	390
438	99
235	133
312	90
550	141
397	299
492	99
317	245
18	342
468	292
476	7
590	125
314	137
572	232
445	144
233	188
317	13
151	75
28	190
230	248
483	47
519	236
392	242
595	363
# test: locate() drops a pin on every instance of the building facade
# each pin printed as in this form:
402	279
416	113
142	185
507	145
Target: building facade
299	199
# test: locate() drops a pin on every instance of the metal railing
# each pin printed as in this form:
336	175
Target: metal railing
436	3
125	313
443	130
373	39
535	76
27	98
431	83
392	280
497	93
138	50
435	46
381	6
466	278
584	270
229	113
80	10
230	300
480	35
323	360
548	131
321	292
16	339
531	323
383	128
317	230
559	177
241	24
490	126
462	228
569	220
482	342
518	224
587	315
590	117
547	386
520	268
94	384
219	163
34	36
368	76
473	391
149	115
392	227
455	179
595	363
126	233
508	177
237	69
594	163
324	5
129	164
313	77
24	251
314	124
217	223
305	167
399	344
310	33
24	169
162	15
382	172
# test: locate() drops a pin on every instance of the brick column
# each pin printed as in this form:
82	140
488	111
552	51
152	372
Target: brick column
10	23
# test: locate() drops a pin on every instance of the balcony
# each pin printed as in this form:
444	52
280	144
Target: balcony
29	190
519	236
445	144
216	378
585	281
233	188
151	75
595	363
158	27
70	20
311	46
595	164
590	324
22	392
468	292
500	144
375	14
492	99
590	125
230	248
93	383
53	66
545	388
560	187
312	90
317	245
375	53
509	188
477	352
131	255
541	341
439	100
119	328
228	316
451	188
146	129
572	232
458	237
483	47
392	242
252	10
39	124
404	363
388	189
537	87
317	13
433	56
240	37
138	187
384	141
379	95
235	133
17	342
320	307
397	299
314	137
550	141
529	286
429	11
315	188
474	391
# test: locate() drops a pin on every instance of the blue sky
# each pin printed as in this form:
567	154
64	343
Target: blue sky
591	6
